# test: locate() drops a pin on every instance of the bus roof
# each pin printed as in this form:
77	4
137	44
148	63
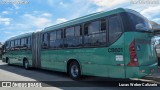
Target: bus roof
85	18
20	36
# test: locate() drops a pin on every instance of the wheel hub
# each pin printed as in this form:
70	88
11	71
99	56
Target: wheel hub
74	71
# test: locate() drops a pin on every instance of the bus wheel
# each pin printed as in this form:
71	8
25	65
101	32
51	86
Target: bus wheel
26	64
74	70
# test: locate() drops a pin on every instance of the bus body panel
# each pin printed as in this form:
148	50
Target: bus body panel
102	61
146	65
145	49
93	61
16	57
53	59
141	71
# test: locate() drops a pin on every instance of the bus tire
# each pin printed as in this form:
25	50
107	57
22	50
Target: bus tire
74	70
26	64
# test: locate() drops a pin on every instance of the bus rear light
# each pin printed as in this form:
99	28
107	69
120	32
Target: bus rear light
133	55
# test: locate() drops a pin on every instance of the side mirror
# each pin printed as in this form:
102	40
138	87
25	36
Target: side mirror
140	26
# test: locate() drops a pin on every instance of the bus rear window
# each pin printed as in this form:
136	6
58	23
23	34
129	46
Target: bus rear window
138	22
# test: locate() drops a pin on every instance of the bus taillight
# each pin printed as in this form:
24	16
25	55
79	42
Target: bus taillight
133	55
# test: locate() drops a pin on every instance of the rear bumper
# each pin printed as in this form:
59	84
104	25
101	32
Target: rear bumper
141	71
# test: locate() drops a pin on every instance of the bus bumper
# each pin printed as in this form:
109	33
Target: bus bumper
141	71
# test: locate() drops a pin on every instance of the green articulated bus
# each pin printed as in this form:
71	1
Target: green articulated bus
116	43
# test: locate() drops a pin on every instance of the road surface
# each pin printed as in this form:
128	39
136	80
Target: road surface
17	73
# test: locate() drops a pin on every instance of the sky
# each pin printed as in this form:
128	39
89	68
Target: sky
23	16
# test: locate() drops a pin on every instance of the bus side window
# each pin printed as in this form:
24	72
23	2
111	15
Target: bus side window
59	39
96	35
115	29
12	45
78	36
23	42
103	25
69	39
16	44
52	39
86	28
29	43
45	41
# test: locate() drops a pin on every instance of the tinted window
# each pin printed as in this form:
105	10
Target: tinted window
59	33
95	34
139	22
17	42
45	40
70	32
56	40
103	25
86	28
52	36
78	36
28	41
59	39
45	37
73	36
12	44
69	39
78	30
23	42
94	27
115	28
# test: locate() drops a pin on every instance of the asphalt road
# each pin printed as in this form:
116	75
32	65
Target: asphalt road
17	73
